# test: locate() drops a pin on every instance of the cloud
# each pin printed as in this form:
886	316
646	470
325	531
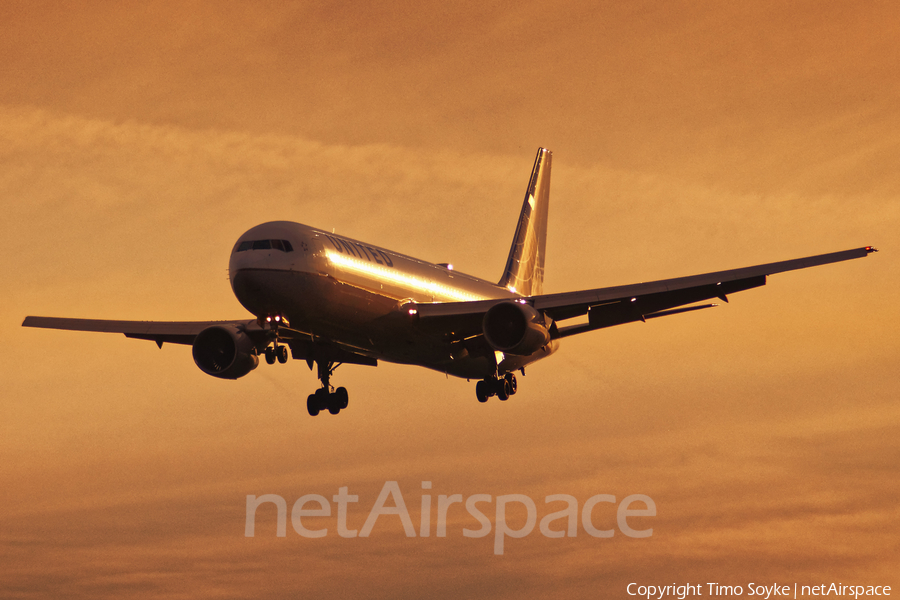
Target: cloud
685	139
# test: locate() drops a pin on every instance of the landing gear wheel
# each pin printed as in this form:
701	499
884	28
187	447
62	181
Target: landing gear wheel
513	384
343	399
321	398
333	406
312	405
270	355
503	389
481	391
282	354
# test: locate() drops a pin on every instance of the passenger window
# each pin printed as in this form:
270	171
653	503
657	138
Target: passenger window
262	245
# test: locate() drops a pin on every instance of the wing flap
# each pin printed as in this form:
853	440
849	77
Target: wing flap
584	327
311	351
638	307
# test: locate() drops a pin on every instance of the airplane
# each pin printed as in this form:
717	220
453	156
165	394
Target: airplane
331	300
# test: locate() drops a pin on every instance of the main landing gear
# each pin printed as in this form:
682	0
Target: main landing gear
324	398
502	387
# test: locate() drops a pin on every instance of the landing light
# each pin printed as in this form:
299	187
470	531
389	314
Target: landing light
413	312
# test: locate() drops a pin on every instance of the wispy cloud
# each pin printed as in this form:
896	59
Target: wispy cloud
686	139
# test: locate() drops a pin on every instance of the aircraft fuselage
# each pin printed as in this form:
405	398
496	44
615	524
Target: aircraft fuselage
356	295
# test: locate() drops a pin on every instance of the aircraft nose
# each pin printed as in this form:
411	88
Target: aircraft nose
253	291
245	281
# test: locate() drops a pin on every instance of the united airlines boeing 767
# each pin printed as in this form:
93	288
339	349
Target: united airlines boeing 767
330	300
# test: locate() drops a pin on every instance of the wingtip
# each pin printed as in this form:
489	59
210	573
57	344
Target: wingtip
871	249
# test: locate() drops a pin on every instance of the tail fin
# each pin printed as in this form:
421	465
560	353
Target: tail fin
524	273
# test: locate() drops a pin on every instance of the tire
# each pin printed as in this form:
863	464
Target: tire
481	391
503	389
322	398
513	384
282	354
270	355
334	404
342	397
312	405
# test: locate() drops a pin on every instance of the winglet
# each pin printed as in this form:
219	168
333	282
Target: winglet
524	272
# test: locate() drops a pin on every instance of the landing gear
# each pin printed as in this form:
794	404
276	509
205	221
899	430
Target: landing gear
502	387
334	402
325	399
279	353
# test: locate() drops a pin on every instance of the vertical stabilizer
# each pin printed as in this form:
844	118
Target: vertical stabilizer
524	271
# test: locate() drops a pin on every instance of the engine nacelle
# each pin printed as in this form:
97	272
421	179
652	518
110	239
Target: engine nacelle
224	351
515	328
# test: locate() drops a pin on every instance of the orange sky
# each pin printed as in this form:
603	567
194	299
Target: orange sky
137	144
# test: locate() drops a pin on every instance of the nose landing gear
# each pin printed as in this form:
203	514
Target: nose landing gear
279	353
275	351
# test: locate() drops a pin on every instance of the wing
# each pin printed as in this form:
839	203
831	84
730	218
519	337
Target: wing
610	306
173	332
302	345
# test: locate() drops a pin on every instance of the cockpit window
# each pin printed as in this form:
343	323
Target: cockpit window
283	245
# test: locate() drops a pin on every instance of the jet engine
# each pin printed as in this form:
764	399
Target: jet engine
224	351
515	328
